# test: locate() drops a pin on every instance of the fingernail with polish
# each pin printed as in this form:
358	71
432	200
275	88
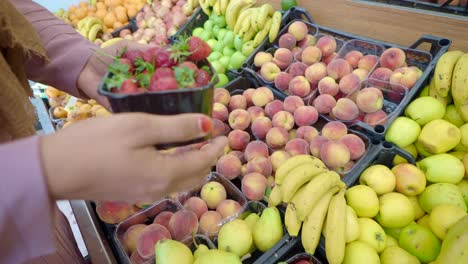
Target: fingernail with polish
206	124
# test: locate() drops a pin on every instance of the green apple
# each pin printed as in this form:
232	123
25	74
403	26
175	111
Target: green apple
248	48
418	211
394	133
443	168
360	252
379	177
206	35
215	55
420	242
215	30
237	60
211	43
439	136
372	234
425	109
457	154
238	43
219	47
443	217
363	200
391	242
394	232
410	180
229	39
396	210
425	221
395	254
197	31
218	67
411	149
422	152
225	61
463	185
464	135
222	32
227	51
452	115
441	193
223	80
208	25
220	21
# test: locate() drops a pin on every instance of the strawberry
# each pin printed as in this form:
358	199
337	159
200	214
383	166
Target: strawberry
132	55
185	77
163	72
189	65
149	55
141	90
203	78
128	87
199	49
163	58
127	62
163	84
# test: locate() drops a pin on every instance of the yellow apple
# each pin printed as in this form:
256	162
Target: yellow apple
378	177
363	200
372	234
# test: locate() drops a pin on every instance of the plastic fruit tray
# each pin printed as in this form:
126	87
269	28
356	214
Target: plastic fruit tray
428	5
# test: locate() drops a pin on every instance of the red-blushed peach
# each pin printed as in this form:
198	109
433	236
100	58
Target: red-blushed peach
335	154
114	212
229	166
292	134
327	44
213	193
227	129
183	223
237	101
260	127
315	144
277	137
393	58
368	62
406	76
361	73
298	29
150	236
273	107
380	77
297	146
135	258
228	208
227	149
255	149
248	96
254	186
292	102
282	80
297	69
338	68
316	72
329	86
306	115
244	170
346	168
163	218
260	165
278	157
239	119
283	119
262	58
269	70
349	83
297	53
376	118
130	237
324	103
353	57
255	112
220	112
238	154
355	145
287	41
334	130
210	222
218	128
238	139
196	205
330	58
307	133
284	56
311	55
309	40
345	109
299	86
222	96
262	96
369	100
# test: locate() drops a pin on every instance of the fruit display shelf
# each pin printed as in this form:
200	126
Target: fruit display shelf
447	6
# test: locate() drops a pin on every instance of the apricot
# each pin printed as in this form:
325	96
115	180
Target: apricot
183	224
148	238
260	127
254	186
334	130
355	145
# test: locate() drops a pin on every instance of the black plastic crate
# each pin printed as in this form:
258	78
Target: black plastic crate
423	5
132	26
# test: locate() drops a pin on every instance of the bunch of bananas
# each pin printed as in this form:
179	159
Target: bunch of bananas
311	191
189	7
219	7
90	28
63	15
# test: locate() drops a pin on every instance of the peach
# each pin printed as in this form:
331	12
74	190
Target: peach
307	133
260	127
298	29
277	137
228	208
218	128
349	83
283	55
262	58
327	44
213	193
244	170
334	130
309	40
277	158
329	86
229	166
376	118
163	218
306	115
345	109
311	55
338	68
292	102
297	68
393	58
254	186
248	96
135	258
283	119
260	165
330	58
238	139
183	224
299	86
269	70
210	222
353	57
315	144
292	134
262	96
196	205
239	119
380	77
369	100
287	41
222	96
255	112
220	112
114	212
237	102
361	73
316	72
297	53
355	145
149	237
406	76
130	237
346	168
334	154
255	149
324	103
282	80
368	62
297	146
239	155
227	129
273	107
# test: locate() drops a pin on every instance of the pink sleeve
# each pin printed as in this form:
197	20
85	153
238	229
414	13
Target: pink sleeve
67	50
25	212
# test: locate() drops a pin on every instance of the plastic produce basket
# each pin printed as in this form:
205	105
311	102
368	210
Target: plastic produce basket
303	256
444	7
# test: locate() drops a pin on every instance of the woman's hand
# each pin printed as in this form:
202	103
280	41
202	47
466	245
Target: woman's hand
114	158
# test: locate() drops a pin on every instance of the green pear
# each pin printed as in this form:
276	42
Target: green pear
169	251
452	115
251	220
425	109
455	245
441	193
217	256
443	168
201	249
439	136
422	152
394	133
425	221
364	201
457	154
235	237
463	185
398	255
372	234
461	147
464	135
420	242
418	211
396	210
443	217
391	242
411	149
424	92
360	252
268	229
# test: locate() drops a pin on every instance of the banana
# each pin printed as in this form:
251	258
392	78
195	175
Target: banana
275	26
110	42
264	11
460	86
205	6
249	34
454	248
91	22
245	26
443	72
216	8
312	226
292	163
293	224
233	10
92	33
243	17
81	23
275	196
297	178
262	34
336	229
433	93
223	6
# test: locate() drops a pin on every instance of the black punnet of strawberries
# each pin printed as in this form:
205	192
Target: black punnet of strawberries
160	68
